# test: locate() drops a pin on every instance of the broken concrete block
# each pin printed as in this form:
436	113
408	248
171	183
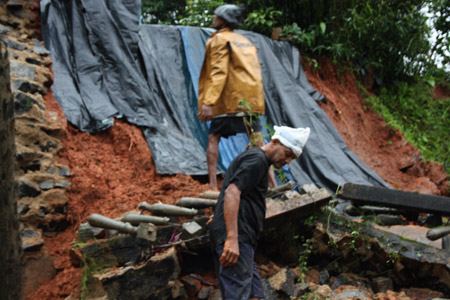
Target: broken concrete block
155	279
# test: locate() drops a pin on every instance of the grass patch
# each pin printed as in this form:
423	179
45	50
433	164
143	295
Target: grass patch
425	121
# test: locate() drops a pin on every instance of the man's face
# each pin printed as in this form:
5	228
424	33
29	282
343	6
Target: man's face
218	22
282	156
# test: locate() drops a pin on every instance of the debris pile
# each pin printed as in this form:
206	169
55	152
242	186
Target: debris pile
130	257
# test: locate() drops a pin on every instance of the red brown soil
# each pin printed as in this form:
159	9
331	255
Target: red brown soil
384	150
113	171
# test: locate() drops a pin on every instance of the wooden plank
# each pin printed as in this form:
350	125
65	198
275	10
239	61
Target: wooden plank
411	201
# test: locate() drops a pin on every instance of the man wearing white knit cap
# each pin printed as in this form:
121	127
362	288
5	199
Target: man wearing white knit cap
240	211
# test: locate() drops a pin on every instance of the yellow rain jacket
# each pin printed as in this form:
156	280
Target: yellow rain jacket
230	73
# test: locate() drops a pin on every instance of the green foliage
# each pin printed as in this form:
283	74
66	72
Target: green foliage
425	121
199	12
262	20
161	12
390	36
441	22
303	258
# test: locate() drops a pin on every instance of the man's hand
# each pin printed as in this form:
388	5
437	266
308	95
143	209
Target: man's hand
206	112
230	253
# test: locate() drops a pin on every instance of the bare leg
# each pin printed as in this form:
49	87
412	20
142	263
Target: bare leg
256	139
212	156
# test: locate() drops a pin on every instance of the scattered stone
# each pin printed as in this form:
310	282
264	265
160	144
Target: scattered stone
288	195
382	284
300	289
406	162
39	48
324	277
87	232
22	70
191	285
216	295
269	292
46	185
308	188
204	292
324	292
178	291
422	293
154	279
26	189
349	279
268	270
283	281
350	294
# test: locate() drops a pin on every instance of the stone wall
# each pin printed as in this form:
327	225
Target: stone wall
40	180
10	251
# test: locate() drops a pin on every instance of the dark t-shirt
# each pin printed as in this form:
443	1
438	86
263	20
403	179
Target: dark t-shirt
249	172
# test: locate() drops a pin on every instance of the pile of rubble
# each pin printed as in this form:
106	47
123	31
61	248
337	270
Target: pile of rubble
306	252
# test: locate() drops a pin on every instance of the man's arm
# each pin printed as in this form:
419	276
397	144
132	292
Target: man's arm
232	200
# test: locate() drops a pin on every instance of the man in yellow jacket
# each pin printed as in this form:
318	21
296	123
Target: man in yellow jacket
230	76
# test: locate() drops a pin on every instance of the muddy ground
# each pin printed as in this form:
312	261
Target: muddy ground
112	172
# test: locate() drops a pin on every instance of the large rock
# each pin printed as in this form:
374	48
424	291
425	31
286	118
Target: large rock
154	279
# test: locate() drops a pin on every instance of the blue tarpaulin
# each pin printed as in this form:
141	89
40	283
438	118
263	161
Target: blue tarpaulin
107	66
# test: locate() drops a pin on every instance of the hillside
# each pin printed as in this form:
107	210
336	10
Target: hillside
113	171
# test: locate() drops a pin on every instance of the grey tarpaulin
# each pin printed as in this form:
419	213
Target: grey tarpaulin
106	65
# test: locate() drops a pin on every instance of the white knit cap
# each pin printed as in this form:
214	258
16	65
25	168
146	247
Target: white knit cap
292	138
